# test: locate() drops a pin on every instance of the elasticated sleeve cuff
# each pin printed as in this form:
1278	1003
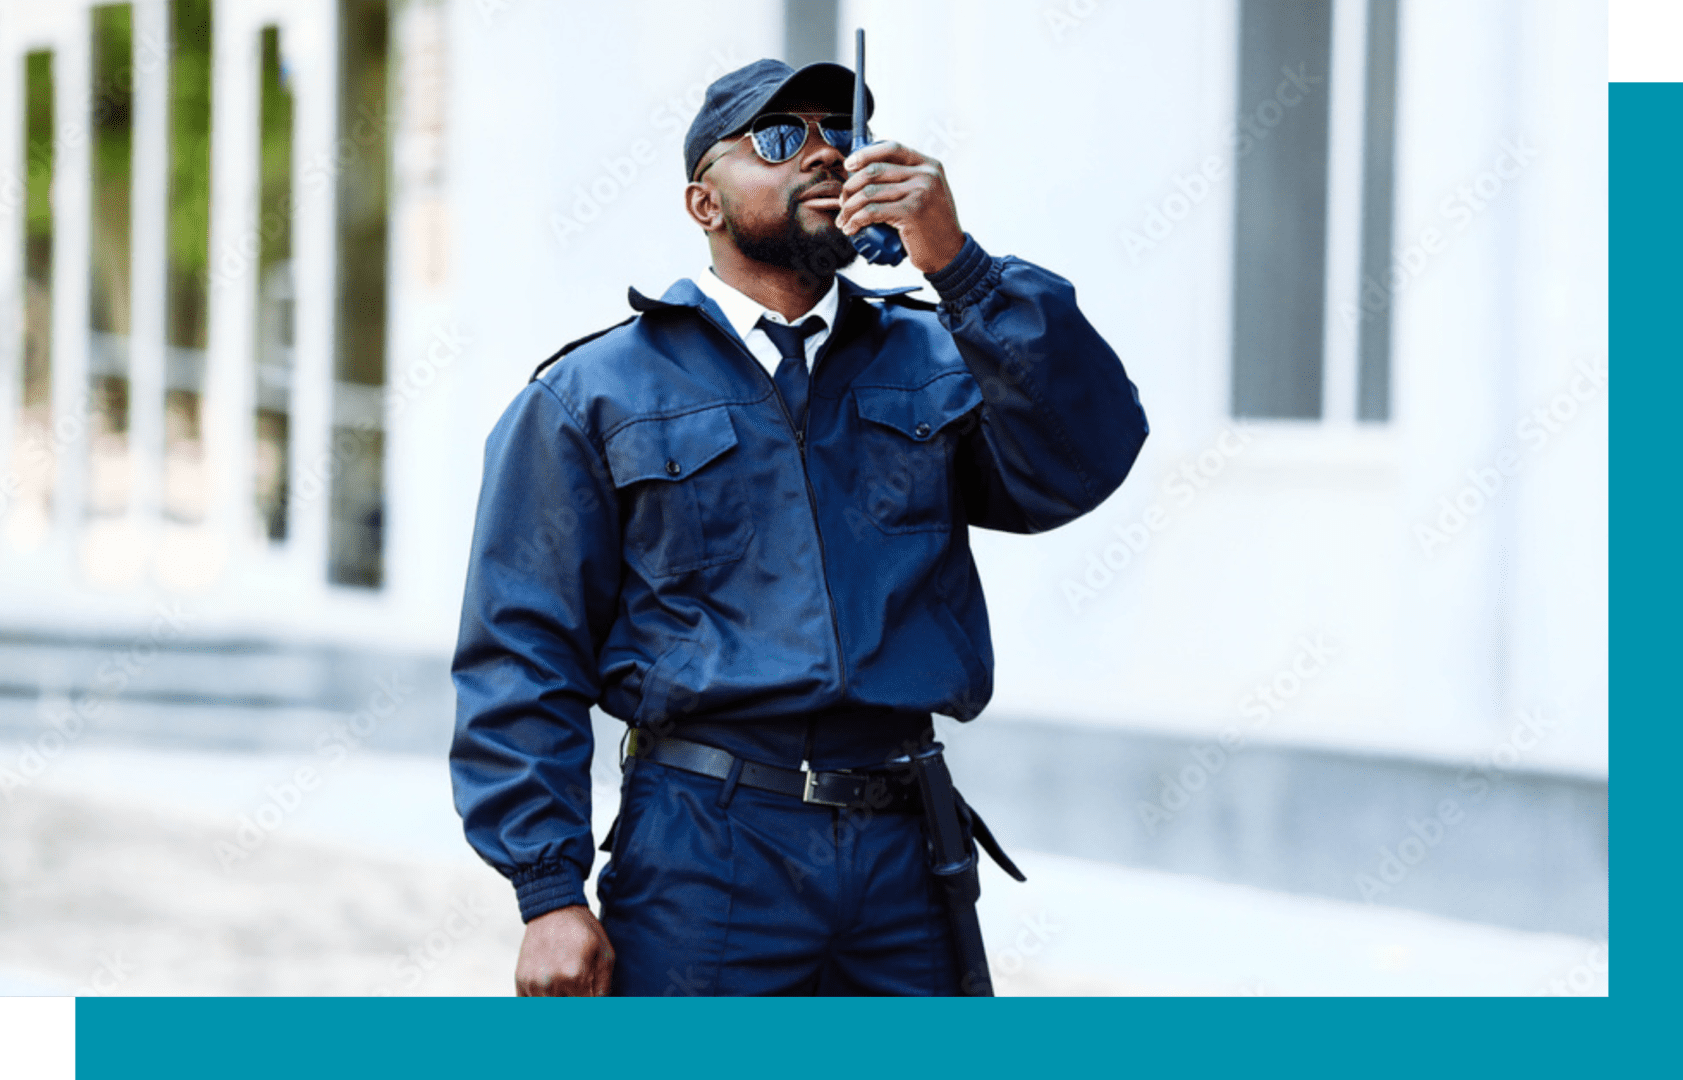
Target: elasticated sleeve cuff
547	886
965	275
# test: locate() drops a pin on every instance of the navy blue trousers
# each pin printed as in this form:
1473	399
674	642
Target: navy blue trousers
766	894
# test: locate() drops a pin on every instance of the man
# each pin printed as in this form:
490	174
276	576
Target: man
738	522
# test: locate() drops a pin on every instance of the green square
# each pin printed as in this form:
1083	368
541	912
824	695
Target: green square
37	1038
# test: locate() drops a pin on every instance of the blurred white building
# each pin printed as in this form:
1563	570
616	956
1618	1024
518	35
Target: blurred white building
1343	631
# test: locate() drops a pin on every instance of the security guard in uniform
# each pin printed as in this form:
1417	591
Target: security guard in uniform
738	521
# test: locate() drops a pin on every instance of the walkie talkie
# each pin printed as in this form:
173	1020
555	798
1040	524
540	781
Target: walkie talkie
879	243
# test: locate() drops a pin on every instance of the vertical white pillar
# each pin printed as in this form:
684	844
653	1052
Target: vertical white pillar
13	174
309	42
227	403
71	334
423	348
1451	406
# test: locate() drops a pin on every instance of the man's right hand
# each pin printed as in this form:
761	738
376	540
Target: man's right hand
565	954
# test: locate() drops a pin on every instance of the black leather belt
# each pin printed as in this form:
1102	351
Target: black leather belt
869	790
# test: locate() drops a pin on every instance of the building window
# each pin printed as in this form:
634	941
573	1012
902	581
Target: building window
1279	230
274	361
355	544
1281	264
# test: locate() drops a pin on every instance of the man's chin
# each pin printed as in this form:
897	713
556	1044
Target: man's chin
830	240
828	233
820	248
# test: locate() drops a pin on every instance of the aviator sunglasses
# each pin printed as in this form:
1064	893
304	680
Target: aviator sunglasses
777	137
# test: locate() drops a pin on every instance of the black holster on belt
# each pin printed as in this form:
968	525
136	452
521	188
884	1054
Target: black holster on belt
951	824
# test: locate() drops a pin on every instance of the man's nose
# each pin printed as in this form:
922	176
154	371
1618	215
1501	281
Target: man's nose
818	153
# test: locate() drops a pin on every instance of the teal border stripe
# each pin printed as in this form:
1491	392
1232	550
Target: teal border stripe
1645	236
823	1038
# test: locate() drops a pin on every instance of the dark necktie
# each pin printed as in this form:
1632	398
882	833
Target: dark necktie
792	377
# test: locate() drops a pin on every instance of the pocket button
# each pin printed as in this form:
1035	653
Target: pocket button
673	468
922	430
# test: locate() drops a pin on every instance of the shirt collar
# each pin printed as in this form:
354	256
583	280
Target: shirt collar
743	311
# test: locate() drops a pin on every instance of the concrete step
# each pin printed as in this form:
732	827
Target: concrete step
229	694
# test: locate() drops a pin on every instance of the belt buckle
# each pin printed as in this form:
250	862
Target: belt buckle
807	795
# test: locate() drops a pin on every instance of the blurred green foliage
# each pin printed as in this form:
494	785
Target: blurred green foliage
364	164
38	231
112	136
275	156
38	144
189	171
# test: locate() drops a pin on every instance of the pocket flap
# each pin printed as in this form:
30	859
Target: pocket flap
919	413
669	448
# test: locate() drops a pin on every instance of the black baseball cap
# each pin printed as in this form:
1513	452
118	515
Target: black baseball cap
735	99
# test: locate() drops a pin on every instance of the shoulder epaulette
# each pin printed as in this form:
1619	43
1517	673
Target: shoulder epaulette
908	300
571	345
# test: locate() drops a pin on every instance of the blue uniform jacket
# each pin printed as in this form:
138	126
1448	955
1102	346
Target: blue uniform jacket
652	535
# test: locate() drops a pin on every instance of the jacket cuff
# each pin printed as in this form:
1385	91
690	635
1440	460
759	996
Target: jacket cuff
547	886
964	276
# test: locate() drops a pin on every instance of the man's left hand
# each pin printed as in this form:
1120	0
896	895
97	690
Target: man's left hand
901	188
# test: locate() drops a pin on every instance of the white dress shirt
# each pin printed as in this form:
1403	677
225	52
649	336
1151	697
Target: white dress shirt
743	312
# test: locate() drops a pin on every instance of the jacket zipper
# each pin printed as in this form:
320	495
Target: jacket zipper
811	497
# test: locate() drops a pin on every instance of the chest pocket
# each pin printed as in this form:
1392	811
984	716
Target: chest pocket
683	505
906	451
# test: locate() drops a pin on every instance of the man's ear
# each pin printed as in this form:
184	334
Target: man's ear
702	201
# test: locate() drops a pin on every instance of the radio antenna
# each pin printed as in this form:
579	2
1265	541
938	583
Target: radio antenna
859	88
878	243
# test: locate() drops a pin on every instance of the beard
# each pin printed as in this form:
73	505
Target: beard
819	253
